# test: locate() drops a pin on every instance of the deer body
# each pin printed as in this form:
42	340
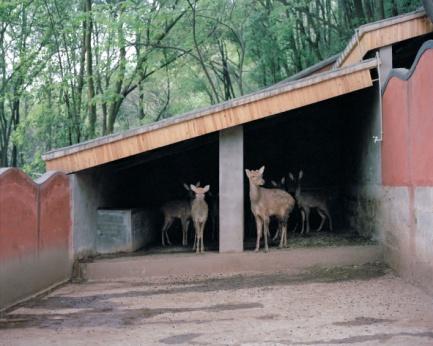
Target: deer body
179	209
308	201
199	214
266	203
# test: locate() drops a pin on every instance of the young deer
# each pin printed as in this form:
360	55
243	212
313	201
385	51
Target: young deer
178	209
199	214
266	203
308	201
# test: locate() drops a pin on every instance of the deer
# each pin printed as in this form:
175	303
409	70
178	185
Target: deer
199	214
307	201
266	203
279	184
282	184
177	209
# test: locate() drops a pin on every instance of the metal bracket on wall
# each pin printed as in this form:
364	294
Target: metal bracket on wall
380	137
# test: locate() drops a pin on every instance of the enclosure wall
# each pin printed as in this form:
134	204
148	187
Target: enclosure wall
35	225
406	213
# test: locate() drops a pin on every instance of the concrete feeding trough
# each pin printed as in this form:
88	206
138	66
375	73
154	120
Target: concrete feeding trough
122	230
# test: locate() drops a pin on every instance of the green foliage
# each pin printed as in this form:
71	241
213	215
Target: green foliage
149	60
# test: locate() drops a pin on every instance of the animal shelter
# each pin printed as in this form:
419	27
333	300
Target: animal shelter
357	125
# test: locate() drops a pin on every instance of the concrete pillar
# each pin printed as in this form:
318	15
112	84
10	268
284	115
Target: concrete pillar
231	194
385	63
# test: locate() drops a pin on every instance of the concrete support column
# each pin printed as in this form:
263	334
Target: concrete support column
231	190
385	63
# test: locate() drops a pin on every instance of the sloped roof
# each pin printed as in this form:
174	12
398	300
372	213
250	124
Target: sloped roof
349	73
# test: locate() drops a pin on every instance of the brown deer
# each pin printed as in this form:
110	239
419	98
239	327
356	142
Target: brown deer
307	201
178	209
199	214
266	203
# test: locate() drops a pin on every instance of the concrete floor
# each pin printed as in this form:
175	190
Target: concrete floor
362	305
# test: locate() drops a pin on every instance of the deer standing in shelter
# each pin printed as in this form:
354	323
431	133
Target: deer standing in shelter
266	203
199	214
281	184
307	201
177	209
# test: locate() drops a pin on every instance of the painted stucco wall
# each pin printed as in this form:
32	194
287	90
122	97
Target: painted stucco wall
35	228
406	213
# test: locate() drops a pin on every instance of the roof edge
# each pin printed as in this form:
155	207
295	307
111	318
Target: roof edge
242	100
363	29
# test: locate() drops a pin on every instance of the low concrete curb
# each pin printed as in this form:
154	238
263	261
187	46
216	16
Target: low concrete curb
215	263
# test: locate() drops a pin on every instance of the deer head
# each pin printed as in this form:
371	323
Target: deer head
297	181
280	185
188	189
256	176
199	191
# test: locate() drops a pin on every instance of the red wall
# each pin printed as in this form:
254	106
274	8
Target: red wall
35	228
18	215
407	150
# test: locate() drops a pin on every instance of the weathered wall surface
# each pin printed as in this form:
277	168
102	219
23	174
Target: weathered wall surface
362	192
35	226
91	190
406	212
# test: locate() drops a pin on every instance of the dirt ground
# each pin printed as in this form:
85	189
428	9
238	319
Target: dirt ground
356	305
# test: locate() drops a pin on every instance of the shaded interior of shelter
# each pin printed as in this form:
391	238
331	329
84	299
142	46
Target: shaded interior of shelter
331	141
149	180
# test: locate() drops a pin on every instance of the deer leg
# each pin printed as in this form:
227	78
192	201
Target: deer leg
201	236
328	215
266	232
197	236
283	239
302	221
188	222
307	220
164	231
322	219
184	232
259	225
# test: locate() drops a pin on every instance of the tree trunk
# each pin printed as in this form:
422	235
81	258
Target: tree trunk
359	12
91	106
394	8
16	121
381	9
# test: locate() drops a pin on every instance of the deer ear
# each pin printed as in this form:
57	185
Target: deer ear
283	180
262	169
274	183
186	187
206	188
247	172
291	176
193	188
301	174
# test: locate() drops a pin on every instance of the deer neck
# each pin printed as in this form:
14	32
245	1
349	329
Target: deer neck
298	191
254	192
198	200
